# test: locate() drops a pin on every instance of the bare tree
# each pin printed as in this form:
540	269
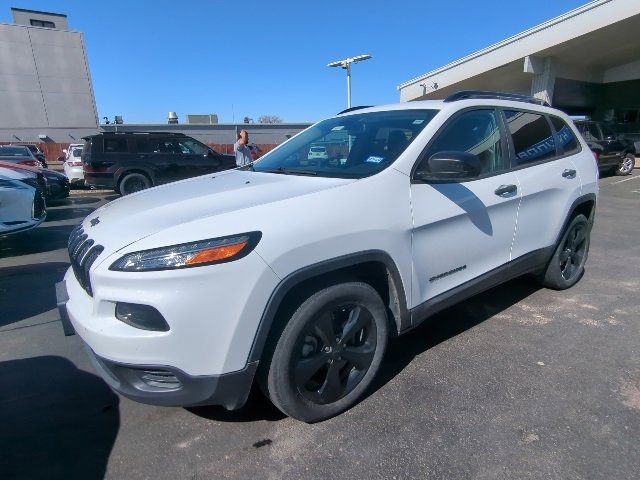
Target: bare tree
269	119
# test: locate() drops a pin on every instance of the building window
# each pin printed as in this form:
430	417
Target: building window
42	23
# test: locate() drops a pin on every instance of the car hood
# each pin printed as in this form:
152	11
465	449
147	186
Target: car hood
131	218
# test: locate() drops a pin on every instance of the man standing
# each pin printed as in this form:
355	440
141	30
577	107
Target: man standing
241	149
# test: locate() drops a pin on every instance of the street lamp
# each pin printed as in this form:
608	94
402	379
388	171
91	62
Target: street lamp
346	64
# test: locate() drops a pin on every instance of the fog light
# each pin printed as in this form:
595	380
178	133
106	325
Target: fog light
141	316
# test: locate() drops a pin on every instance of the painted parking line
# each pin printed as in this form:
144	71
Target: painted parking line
625	180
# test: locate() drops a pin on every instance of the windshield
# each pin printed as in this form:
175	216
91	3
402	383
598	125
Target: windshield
14	151
352	146
76	152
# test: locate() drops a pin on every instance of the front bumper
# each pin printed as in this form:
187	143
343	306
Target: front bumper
171	387
161	384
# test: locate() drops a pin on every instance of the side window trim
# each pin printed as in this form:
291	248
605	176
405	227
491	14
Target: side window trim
556	138
449	121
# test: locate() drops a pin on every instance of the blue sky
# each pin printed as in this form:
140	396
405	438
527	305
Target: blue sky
252	58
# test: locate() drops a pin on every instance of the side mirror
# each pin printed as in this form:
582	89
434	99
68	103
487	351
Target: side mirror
450	167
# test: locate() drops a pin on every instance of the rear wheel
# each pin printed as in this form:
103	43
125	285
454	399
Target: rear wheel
329	352
133	182
567	264
626	165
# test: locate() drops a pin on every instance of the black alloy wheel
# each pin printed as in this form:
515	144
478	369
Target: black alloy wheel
335	353
570	255
327	352
573	252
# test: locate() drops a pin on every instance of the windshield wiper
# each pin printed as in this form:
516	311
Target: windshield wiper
290	171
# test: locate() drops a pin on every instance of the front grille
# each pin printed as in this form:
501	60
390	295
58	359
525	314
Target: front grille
83	252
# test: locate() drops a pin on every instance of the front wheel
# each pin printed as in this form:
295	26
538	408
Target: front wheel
329	352
626	165
567	264
133	182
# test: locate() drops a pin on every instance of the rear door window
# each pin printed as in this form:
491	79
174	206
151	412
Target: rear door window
532	137
115	145
567	139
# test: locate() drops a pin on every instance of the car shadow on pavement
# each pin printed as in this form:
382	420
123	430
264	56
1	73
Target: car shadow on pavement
67	214
28	290
39	240
56	421
449	323
258	407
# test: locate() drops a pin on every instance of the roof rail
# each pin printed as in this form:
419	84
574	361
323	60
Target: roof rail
466	94
351	109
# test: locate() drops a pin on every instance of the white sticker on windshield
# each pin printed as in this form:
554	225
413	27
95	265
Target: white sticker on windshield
374	159
339	127
418	121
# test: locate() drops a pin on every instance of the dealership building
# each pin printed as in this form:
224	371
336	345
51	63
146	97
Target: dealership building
585	62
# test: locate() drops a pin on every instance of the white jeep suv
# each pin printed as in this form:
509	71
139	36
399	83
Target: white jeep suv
296	275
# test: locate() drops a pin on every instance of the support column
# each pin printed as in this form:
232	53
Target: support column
544	77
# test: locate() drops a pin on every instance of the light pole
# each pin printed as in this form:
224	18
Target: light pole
346	65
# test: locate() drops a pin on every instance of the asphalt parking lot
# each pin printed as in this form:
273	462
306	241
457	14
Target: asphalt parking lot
519	382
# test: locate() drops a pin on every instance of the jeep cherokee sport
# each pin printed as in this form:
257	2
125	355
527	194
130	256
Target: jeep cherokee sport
295	275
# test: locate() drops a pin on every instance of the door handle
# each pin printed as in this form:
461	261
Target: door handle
505	189
569	173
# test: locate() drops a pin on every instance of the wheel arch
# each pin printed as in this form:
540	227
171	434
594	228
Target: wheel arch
374	267
585	205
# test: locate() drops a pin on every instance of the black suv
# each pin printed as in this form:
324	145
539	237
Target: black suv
612	151
132	161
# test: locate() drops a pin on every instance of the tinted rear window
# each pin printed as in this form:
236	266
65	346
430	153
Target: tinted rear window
565	135
532	137
115	145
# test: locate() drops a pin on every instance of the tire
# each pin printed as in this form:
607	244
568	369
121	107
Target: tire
319	367
133	182
566	266
626	165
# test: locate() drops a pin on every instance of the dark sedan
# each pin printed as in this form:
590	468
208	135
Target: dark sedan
57	184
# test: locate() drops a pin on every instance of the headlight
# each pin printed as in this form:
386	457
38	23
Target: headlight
194	254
